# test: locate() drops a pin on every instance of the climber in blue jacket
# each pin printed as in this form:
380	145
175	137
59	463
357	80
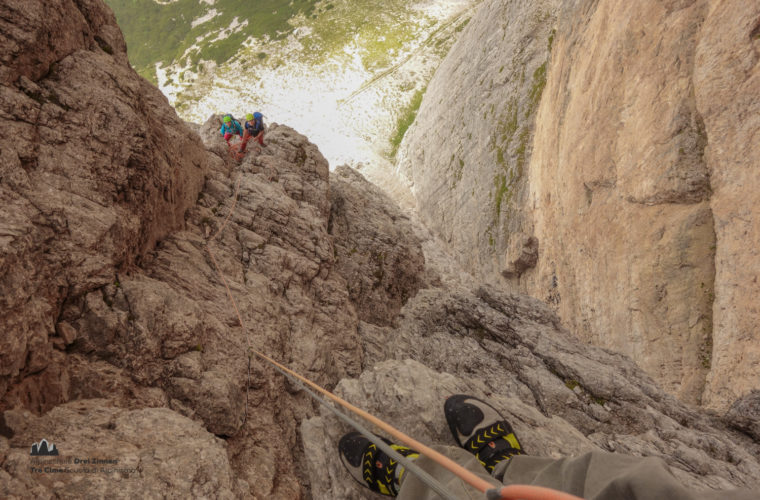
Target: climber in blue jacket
230	126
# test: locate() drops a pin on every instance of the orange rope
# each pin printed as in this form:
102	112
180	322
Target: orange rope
513	492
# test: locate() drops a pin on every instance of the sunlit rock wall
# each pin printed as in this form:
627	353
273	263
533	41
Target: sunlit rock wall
602	157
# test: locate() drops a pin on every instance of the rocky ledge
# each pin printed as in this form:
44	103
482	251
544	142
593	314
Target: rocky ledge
563	397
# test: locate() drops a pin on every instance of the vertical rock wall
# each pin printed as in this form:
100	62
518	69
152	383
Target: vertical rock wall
466	155
612	145
727	84
620	187
376	250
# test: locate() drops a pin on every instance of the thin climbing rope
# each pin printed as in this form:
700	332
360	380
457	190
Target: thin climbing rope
513	492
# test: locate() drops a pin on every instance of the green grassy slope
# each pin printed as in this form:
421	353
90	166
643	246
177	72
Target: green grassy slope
158	33
162	33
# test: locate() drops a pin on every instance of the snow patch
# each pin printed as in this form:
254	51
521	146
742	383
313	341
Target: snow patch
206	17
234	27
167	87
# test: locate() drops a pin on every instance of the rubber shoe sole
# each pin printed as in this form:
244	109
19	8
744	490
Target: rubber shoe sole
480	429
370	466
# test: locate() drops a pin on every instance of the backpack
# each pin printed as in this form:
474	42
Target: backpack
258	124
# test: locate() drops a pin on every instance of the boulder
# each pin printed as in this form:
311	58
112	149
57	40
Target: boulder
744	414
104	451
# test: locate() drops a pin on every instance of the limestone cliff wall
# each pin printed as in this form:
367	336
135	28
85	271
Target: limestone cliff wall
613	146
727	88
466	155
627	238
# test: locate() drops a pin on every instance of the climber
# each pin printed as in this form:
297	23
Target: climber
230	126
254	127
493	452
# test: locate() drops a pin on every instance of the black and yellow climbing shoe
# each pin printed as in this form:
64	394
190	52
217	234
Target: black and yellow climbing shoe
371	466
480	429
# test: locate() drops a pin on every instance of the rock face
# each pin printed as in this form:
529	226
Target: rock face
112	309
727	85
744	414
95	167
620	138
389	268
627	238
562	397
466	155
164	334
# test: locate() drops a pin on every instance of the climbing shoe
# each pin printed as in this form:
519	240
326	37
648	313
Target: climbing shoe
480	429
369	465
